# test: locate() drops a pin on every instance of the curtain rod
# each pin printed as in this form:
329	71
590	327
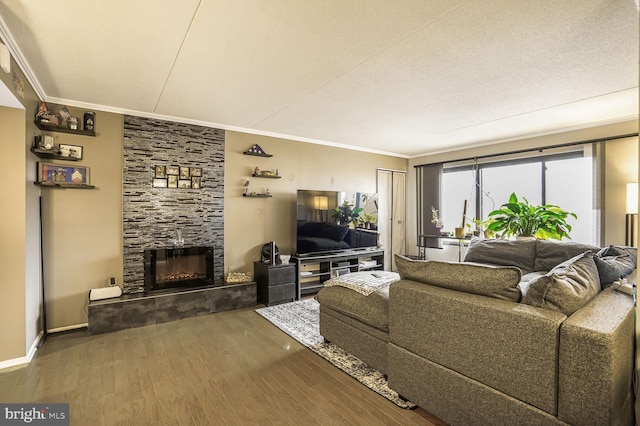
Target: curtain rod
540	149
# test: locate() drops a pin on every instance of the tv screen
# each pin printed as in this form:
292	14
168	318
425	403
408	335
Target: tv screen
334	221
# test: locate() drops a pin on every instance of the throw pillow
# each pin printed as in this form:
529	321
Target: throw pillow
550	254
567	287
500	282
612	268
619	251
520	253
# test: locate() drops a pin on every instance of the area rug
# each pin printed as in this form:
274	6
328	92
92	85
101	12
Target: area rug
300	320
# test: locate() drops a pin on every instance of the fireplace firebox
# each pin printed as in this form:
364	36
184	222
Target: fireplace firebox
178	268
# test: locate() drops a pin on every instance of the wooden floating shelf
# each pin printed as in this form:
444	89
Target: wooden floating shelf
257	195
266	176
54	128
49	153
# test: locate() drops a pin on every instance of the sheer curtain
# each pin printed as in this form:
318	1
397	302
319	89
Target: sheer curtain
391	214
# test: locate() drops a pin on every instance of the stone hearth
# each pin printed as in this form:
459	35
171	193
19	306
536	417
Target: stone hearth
138	310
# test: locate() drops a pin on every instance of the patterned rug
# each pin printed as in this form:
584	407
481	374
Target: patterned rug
300	320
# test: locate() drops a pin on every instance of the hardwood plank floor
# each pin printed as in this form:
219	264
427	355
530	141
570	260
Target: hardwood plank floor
228	368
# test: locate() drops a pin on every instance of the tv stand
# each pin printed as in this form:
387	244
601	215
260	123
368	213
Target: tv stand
313	270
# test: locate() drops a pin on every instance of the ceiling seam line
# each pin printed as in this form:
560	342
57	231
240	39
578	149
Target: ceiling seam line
173	64
362	62
535	110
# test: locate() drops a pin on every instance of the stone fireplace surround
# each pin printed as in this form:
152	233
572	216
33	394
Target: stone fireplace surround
151	217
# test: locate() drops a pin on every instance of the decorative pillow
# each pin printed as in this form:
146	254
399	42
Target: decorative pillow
364	282
521	253
567	287
619	251
550	254
499	282
612	268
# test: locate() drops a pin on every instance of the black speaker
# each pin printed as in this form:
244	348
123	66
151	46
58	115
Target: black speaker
270	254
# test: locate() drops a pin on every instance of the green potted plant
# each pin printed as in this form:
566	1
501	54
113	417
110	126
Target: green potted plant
522	219
479	223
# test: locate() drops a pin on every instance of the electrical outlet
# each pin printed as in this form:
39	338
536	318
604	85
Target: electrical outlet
111	281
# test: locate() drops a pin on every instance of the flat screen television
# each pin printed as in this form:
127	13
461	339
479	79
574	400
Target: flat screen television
334	221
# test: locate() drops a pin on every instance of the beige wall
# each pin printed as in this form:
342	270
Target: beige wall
621	167
83	228
251	222
12	235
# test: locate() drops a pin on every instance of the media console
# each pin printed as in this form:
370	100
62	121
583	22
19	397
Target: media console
313	270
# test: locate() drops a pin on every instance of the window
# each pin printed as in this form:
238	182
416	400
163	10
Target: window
561	178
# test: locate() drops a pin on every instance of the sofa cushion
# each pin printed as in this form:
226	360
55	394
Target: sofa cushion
520	254
567	287
500	282
612	268
550	254
619	251
372	310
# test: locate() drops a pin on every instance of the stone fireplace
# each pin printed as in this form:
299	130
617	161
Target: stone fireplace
151	216
178	268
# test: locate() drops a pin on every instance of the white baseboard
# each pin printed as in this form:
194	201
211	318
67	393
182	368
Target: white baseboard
34	347
24	359
68	327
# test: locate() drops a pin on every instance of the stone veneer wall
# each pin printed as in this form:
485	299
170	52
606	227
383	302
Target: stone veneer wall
151	216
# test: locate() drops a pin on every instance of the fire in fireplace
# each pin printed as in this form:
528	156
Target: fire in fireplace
184	267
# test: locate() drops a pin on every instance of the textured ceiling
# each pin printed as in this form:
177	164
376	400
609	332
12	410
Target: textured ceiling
406	77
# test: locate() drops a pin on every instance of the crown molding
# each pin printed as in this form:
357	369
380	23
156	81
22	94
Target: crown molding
20	60
248	130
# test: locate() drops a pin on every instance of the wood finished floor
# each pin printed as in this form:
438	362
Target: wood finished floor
228	368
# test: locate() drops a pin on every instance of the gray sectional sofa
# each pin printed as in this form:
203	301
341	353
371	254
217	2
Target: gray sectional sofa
522	332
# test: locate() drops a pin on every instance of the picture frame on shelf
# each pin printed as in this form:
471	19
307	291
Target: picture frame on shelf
59	174
70	151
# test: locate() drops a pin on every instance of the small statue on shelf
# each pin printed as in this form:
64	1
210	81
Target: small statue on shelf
246	187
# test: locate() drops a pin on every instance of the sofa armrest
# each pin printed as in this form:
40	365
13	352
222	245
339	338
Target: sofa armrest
506	345
596	362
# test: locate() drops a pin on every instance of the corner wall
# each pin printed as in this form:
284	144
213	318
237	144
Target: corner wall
17	136
12	231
